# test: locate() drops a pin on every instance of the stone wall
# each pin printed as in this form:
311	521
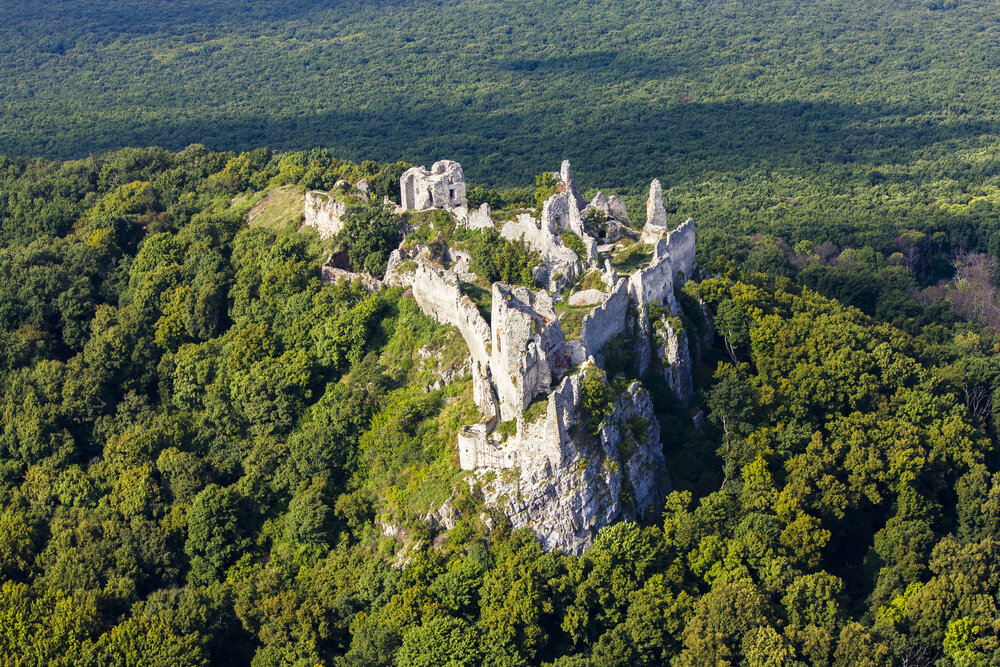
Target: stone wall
441	187
681	248
559	214
325	213
529	349
604	322
654	284
437	292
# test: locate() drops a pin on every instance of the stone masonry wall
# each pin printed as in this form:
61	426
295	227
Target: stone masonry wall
604	322
529	348
324	213
681	248
441	187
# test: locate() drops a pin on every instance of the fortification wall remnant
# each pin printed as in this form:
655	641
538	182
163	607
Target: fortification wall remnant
604	323
324	213
529	349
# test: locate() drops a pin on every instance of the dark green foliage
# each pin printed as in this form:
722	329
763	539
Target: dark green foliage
369	234
495	258
217	524
574	243
596	400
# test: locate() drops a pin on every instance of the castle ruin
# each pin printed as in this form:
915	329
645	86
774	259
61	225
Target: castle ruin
567	485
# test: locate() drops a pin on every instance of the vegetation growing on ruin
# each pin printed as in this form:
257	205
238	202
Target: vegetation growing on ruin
573	242
630	256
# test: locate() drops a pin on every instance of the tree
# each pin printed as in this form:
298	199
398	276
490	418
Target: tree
218	523
370	232
450	642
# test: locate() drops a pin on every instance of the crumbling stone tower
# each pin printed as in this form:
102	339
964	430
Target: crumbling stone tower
441	187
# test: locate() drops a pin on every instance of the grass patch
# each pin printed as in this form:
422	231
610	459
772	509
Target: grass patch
571	319
591	280
507	429
276	208
631	257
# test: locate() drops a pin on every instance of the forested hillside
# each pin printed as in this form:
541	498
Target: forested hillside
209	456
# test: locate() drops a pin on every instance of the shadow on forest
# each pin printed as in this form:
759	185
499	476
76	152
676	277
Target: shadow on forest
627	145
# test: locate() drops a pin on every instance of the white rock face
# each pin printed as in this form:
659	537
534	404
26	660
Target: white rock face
611	207
566	493
481	218
566	176
441	187
587	297
676	358
656	215
325	213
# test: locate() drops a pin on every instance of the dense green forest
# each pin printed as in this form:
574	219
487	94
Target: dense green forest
209	456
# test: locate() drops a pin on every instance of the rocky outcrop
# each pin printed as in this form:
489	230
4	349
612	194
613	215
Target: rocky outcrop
566	176
566	493
675	356
656	214
480	218
611	207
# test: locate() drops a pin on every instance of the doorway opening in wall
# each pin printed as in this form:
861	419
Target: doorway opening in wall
451	195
